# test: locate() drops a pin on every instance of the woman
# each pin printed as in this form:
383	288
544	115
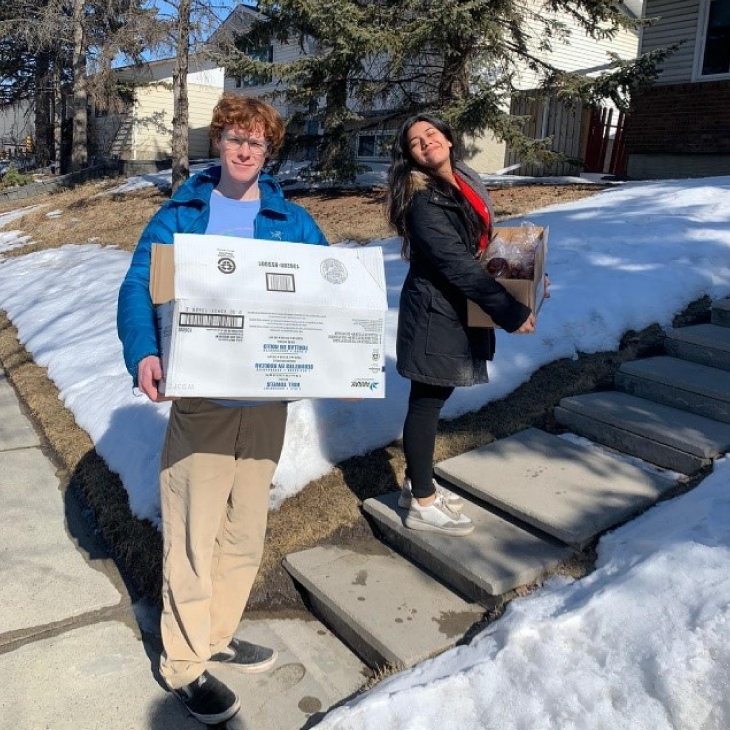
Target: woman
444	214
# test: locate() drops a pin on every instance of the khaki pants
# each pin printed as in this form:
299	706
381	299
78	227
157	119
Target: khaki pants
216	471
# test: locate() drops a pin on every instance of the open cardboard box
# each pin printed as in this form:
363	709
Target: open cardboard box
528	291
270	320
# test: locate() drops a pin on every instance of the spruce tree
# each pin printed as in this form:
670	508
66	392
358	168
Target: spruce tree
459	58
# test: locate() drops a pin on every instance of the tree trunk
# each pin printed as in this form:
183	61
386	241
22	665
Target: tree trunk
79	152
180	160
41	150
335	153
454	82
57	116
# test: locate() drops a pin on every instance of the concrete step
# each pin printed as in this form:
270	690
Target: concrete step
668	437
387	609
563	489
720	314
708	344
681	384
497	557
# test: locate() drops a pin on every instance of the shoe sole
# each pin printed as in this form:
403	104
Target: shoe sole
248	668
428	527
220	717
456	507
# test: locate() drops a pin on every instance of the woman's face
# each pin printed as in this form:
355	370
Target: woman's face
429	148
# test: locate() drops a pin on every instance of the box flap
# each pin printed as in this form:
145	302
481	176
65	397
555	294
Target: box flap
162	273
244	269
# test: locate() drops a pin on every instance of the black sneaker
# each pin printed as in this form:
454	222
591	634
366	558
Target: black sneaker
208	699
246	657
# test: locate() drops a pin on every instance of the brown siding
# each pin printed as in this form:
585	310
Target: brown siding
682	118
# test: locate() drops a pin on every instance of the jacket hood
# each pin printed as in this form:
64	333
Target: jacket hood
420	180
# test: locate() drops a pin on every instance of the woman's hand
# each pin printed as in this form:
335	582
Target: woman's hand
528	326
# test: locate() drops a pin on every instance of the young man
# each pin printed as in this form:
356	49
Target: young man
219	456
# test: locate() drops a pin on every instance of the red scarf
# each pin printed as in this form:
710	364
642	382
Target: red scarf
479	206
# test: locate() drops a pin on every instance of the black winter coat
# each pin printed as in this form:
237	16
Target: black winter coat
434	343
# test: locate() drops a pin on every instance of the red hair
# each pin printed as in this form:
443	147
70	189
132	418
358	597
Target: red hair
249	114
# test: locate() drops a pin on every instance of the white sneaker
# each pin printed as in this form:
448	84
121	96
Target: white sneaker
438	517
454	501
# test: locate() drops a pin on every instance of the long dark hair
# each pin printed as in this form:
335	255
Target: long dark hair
401	184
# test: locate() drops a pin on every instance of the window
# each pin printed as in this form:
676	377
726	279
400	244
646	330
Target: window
375	143
257	54
714	40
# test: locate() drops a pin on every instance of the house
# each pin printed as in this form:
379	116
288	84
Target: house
680	126
16	128
140	127
568	126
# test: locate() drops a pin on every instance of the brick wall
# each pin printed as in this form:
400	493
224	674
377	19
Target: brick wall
680	119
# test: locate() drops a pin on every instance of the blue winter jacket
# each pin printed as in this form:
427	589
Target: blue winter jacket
188	212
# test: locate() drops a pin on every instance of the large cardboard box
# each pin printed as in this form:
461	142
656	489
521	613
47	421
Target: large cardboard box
242	318
528	291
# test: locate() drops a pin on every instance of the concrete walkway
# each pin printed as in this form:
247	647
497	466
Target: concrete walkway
75	654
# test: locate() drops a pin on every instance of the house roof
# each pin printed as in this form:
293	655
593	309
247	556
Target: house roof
633	8
238	21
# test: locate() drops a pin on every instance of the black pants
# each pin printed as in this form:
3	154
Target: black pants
419	434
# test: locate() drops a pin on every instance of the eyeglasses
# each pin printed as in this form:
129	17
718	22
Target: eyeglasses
257	147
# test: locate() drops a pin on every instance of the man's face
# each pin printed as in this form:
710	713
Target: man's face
243	153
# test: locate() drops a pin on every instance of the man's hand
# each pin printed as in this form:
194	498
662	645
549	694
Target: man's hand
149	374
528	326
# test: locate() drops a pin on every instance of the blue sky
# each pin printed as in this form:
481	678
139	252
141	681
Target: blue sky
220	9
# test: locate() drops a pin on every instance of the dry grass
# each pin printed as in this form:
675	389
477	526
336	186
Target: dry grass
88	214
348	216
361	217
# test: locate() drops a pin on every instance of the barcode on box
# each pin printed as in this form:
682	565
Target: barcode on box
280	282
212	321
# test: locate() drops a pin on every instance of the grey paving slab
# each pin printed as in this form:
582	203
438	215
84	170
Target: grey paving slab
703	437
391	611
102	677
708	344
497	557
44	575
629	443
670	395
97	677
720	314
314	671
690	376
16	431
566	490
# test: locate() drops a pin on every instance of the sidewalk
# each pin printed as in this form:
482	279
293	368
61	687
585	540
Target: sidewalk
75	654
